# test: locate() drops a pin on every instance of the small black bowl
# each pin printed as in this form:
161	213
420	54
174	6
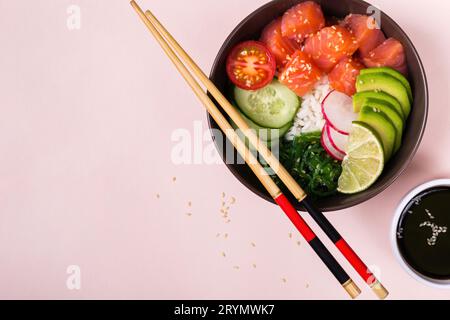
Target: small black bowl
250	29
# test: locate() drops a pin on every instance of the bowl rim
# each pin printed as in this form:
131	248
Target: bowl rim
369	193
440	284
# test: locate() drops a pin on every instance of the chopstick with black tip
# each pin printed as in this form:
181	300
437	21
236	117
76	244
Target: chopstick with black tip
253	163
274	163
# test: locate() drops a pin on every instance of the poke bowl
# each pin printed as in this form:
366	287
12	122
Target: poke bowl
341	84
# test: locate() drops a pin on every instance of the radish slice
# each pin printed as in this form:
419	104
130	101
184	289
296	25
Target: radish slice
338	140
337	109
329	148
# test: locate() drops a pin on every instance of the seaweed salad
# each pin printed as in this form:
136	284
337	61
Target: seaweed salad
310	165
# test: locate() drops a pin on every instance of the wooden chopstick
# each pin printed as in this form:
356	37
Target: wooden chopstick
253	163
274	163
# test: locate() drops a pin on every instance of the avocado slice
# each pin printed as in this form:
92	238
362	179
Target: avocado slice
394	73
358	100
392	114
387	84
382	125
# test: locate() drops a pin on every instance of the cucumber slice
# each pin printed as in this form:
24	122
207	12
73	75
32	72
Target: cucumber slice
393	73
267	135
273	106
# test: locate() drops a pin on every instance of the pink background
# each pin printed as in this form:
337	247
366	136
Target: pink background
85	139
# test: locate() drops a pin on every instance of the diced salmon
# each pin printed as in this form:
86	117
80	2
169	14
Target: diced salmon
302	20
300	74
366	31
281	47
389	54
328	46
343	76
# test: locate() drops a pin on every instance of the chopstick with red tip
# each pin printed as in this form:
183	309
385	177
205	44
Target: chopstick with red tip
274	163
253	163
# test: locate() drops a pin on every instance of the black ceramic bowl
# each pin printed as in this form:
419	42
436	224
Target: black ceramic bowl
251	27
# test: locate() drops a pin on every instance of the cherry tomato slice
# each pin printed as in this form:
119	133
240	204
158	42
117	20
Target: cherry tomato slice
251	66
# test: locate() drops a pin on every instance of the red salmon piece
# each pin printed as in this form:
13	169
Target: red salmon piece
343	77
302	20
282	48
300	74
390	53
366	31
330	45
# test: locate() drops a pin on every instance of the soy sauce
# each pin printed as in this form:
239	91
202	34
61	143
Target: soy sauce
423	233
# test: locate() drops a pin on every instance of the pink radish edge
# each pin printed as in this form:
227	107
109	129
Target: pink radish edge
327	149
330	152
328	128
326	117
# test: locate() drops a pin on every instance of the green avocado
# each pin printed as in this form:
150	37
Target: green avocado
387	84
394	73
392	114
378	121
359	98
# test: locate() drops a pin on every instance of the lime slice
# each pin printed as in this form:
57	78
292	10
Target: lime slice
364	162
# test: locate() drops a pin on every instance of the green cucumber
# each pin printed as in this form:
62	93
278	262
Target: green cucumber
267	135
273	106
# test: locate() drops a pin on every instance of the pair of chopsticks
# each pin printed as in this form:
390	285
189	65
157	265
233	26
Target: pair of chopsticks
174	52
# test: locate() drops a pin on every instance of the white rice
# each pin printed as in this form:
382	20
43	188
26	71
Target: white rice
310	118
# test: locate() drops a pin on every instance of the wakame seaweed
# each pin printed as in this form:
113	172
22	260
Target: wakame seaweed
310	165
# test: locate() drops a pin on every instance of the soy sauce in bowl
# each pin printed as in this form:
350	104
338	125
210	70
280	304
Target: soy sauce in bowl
423	234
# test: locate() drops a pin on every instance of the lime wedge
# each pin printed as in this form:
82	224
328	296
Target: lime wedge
364	162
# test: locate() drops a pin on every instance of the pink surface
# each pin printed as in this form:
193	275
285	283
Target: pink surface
85	133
